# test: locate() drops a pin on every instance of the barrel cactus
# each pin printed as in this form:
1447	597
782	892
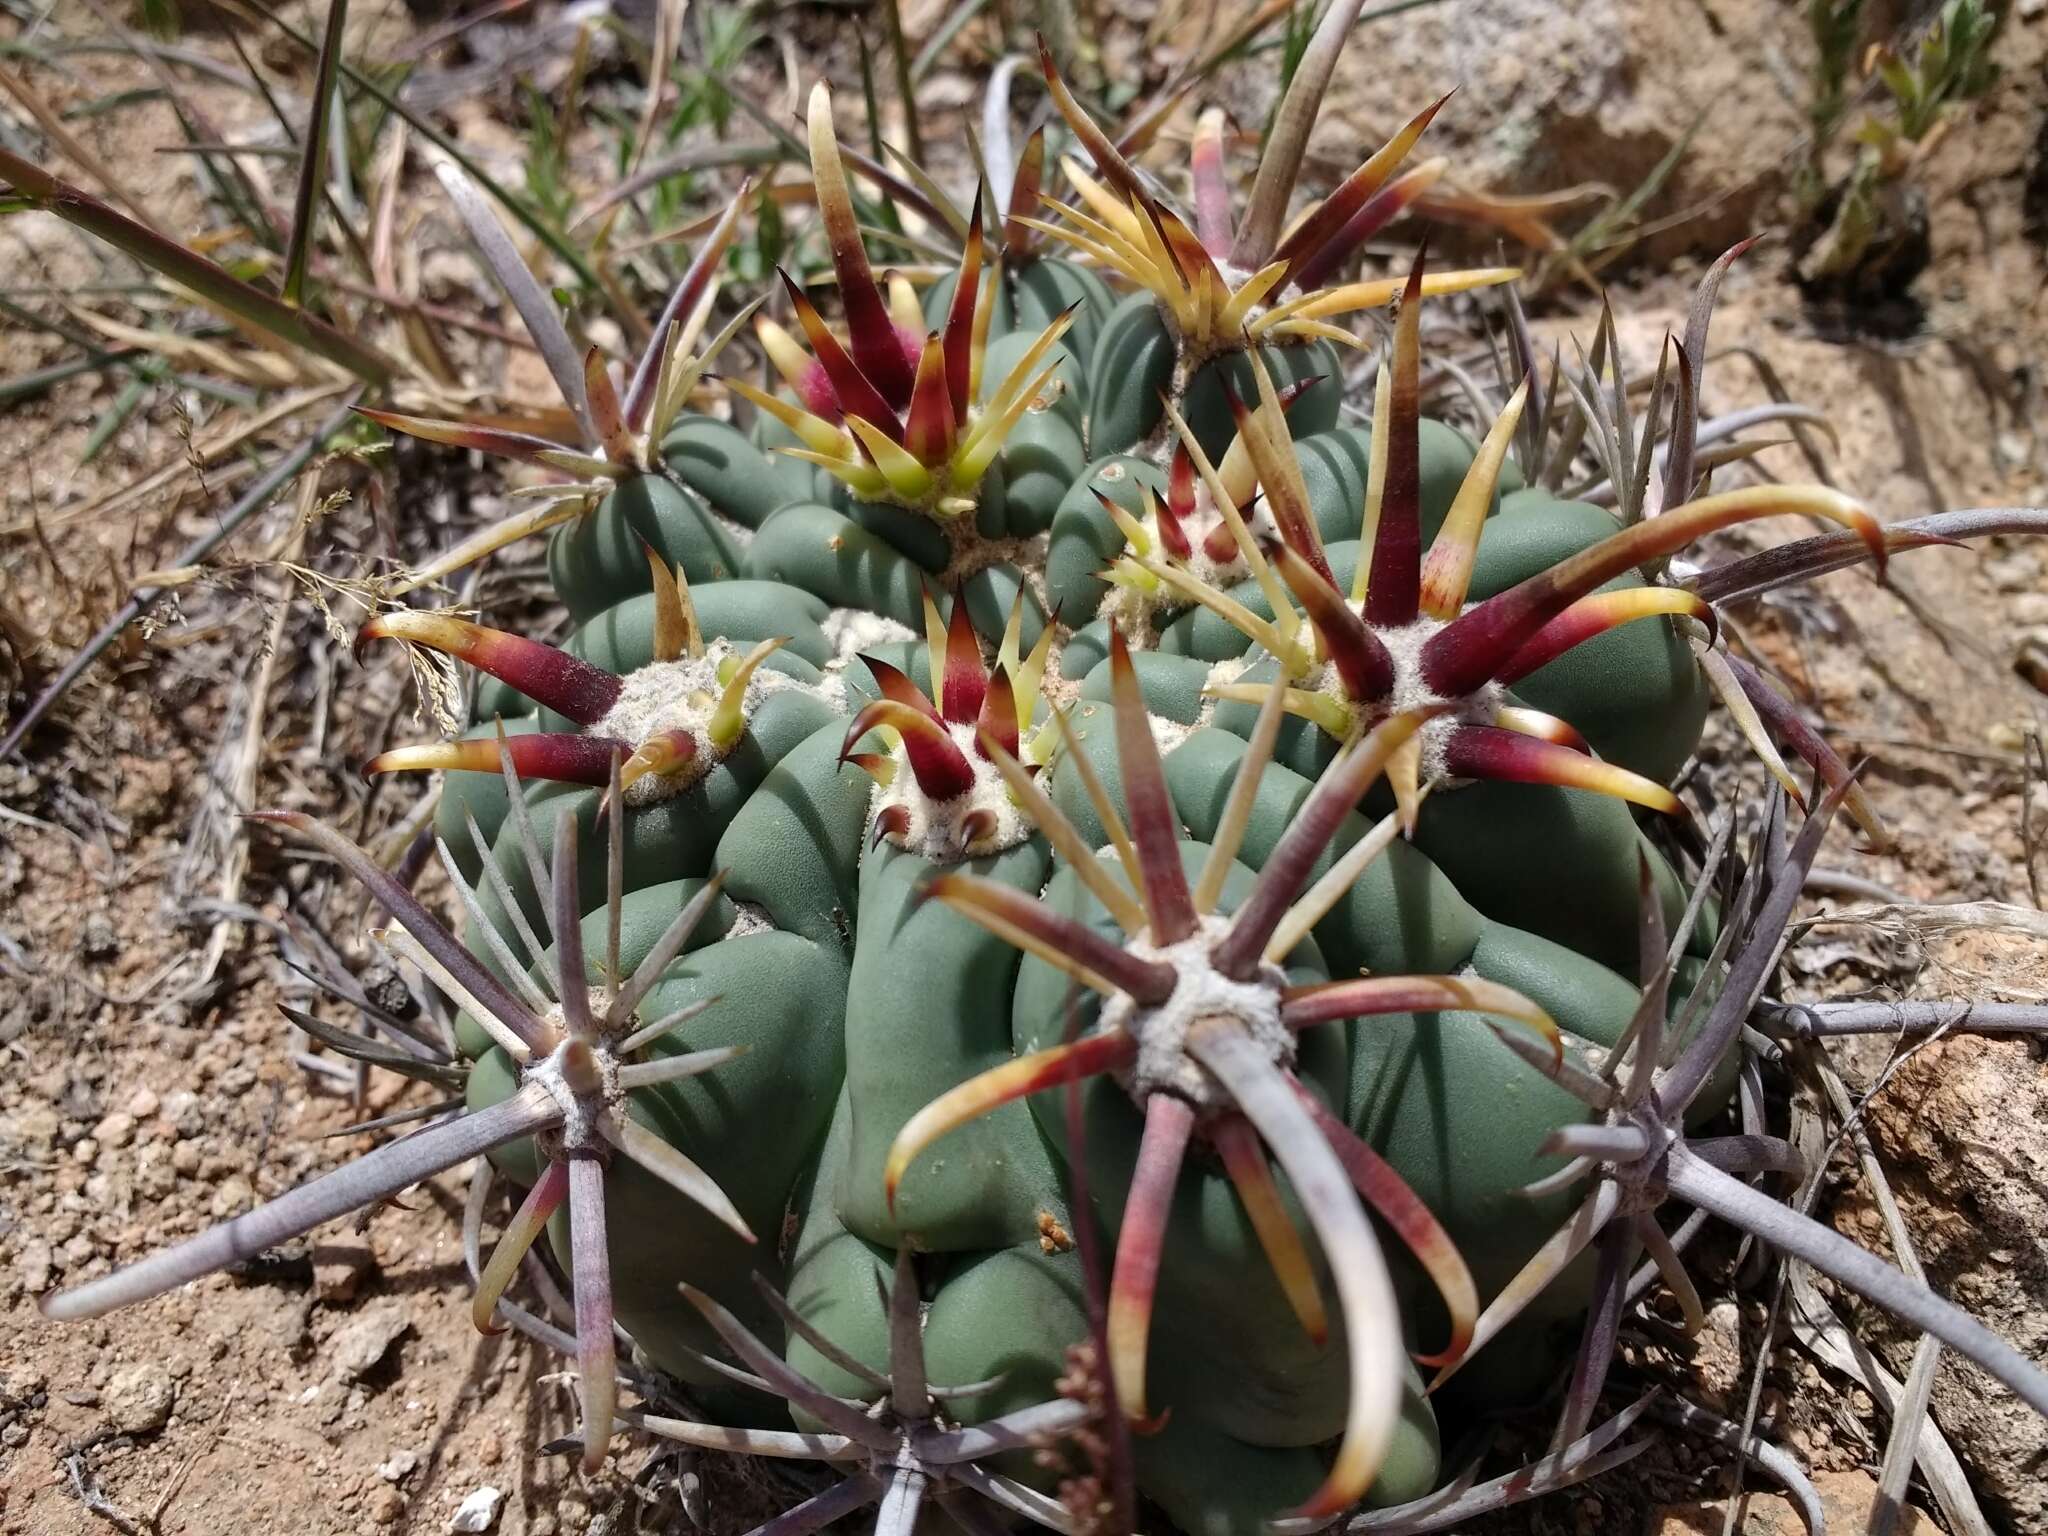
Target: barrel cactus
1054	690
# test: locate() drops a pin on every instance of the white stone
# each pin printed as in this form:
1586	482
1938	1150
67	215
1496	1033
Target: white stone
478	1512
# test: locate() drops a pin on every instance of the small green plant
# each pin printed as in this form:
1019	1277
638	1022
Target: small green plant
1950	65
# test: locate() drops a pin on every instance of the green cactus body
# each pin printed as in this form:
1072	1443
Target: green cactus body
1335	465
1136	357
1559	861
927	1009
1030	295
1456	1112
754	1126
600	558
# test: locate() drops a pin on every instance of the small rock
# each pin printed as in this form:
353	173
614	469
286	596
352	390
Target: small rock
478	1511
231	1197
139	1399
1764	1514
399	1467
100	938
387	1506
338	1273
1850	1497
143	1103
114	1130
33	1265
366	1340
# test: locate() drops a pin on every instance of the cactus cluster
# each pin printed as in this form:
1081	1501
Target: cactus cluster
1057	688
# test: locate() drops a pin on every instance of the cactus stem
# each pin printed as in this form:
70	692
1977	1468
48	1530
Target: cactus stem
1249	1172
1169	1122
550	677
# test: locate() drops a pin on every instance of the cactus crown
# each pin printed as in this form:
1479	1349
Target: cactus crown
893	417
947	786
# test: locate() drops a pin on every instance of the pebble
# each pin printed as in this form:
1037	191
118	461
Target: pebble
478	1511
399	1467
33	1265
115	1130
387	1506
367	1339
100	938
139	1399
143	1103
338	1273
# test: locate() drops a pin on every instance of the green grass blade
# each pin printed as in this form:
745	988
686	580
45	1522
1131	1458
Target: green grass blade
306	206
213	284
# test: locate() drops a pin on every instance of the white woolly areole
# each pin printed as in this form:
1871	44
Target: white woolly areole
680	695
581	1112
849	631
940	830
1200	991
1135	612
1410	691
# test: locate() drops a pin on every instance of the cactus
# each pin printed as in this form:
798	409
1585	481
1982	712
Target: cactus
1051	692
